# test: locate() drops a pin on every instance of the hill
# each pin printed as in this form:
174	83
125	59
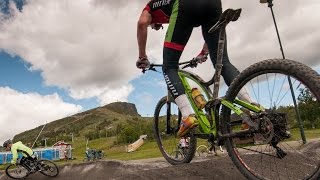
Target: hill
123	108
98	121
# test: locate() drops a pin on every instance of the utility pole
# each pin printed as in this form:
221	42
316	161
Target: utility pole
45	142
71	136
303	136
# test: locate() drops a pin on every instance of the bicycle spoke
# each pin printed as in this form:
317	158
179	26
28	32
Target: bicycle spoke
167	121
17	172
48	168
277	151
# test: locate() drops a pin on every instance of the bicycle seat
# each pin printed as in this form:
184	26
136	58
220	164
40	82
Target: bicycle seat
227	16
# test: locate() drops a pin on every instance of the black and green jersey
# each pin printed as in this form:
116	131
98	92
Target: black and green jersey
183	16
160	10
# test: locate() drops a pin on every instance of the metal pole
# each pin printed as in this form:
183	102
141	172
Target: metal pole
71	136
270	4
38	135
45	142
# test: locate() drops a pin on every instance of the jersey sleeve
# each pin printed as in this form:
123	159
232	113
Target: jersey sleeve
26	149
148	7
14	151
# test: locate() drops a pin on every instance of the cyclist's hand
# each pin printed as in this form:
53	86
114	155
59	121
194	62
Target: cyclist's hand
142	63
156	26
202	57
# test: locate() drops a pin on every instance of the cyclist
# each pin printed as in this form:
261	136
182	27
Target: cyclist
183	16
18	147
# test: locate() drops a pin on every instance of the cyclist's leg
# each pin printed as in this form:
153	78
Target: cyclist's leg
23	162
177	36
229	71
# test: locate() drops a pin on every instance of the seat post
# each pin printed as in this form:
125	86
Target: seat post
218	65
227	16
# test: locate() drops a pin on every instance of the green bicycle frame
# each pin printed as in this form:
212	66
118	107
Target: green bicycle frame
205	126
200	115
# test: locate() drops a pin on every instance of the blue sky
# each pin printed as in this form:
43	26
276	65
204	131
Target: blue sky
17	75
58	58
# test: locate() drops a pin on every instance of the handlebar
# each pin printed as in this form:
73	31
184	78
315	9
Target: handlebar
191	63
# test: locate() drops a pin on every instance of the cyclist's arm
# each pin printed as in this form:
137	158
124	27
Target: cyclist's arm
25	149
205	48
14	151
142	32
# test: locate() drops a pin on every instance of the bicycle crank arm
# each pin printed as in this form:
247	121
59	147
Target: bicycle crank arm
243	115
247	119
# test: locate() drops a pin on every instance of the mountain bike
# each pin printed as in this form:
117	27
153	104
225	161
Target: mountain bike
203	150
182	148
27	166
93	154
207	149
264	139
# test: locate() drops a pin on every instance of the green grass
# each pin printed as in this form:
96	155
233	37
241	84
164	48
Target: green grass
310	134
148	150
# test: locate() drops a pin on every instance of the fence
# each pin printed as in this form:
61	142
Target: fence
43	153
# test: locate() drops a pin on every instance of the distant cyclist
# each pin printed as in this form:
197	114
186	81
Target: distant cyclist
18	147
183	16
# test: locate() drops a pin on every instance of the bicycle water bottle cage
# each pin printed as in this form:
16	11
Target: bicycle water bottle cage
227	16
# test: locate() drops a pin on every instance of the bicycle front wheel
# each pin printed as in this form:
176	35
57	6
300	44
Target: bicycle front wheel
166	125
285	146
17	171
48	168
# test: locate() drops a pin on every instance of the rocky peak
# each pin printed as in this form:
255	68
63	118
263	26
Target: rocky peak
123	108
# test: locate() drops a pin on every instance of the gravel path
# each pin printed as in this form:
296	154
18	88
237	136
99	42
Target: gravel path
210	167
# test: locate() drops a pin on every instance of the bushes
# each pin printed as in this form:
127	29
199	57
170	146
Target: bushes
130	132
95	134
128	135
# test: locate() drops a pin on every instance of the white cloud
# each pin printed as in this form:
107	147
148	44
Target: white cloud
253	37
20	112
83	46
89	46
105	95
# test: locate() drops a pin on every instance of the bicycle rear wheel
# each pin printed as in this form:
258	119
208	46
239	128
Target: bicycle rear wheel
166	126
48	168
17	171
286	148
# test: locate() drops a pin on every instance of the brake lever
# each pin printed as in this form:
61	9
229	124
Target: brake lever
151	68
185	66
194	64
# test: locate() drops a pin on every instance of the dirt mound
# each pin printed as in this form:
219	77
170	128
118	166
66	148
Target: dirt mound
200	168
